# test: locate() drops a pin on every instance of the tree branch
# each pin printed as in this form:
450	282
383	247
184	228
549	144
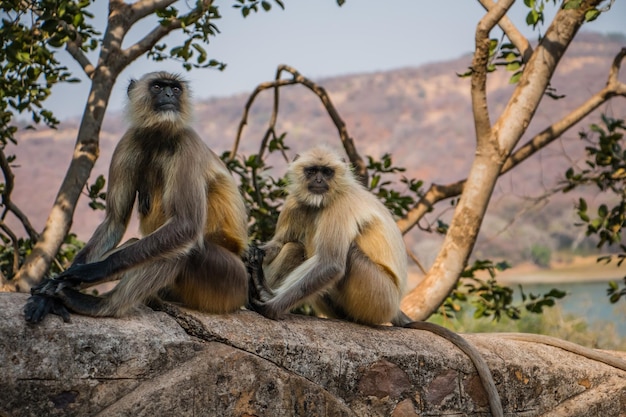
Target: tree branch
511	32
145	8
297	78
482	124
9	184
438	192
74	50
492	150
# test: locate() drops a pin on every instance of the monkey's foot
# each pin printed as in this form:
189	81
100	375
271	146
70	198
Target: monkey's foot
39	306
265	309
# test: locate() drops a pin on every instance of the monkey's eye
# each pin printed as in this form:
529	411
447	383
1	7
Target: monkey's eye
310	171
327	172
156	88
177	90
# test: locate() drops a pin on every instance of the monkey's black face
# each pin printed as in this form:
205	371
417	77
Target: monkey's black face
166	95
318	178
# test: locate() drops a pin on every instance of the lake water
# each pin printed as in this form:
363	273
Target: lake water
587	300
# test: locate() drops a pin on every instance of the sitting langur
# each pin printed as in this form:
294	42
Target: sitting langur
338	248
192	218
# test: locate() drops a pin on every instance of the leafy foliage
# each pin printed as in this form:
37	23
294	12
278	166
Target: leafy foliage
198	28
13	253
254	5
606	170
262	193
398	203
540	255
490	299
31	33
97	196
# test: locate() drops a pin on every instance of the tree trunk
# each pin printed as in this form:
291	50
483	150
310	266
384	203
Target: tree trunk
494	145
85	155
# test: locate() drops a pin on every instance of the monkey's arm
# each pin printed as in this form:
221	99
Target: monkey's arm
120	200
311	277
322	269
186	215
283	233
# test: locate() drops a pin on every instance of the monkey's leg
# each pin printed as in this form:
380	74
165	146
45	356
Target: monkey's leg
135	287
214	280
290	256
367	294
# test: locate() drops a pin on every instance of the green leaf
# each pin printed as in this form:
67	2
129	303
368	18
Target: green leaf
592	15
572	4
513	66
515	77
532	18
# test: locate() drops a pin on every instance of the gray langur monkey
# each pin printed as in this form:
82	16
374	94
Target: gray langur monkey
338	248
192	218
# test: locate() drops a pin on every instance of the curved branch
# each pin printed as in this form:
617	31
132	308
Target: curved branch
246	111
9	183
297	78
613	82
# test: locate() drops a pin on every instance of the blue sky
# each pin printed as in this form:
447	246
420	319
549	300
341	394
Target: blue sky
320	39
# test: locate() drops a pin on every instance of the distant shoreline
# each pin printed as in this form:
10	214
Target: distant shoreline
577	269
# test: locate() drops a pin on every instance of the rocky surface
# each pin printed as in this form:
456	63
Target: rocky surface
182	363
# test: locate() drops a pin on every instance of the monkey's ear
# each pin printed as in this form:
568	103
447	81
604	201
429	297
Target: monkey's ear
131	85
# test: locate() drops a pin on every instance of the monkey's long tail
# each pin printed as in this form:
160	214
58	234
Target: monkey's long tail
479	363
588	353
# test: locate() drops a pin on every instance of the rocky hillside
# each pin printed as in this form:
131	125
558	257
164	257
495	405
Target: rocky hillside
422	116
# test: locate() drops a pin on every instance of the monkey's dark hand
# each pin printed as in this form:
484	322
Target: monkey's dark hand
257	288
50	287
38	306
81	273
270	251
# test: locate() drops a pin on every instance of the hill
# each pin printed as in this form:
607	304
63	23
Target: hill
422	116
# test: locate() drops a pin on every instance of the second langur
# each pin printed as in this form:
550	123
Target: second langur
338	248
192	218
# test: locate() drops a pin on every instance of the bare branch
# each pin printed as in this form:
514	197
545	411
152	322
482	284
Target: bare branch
482	124
297	78
74	50
9	183
248	105
613	82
